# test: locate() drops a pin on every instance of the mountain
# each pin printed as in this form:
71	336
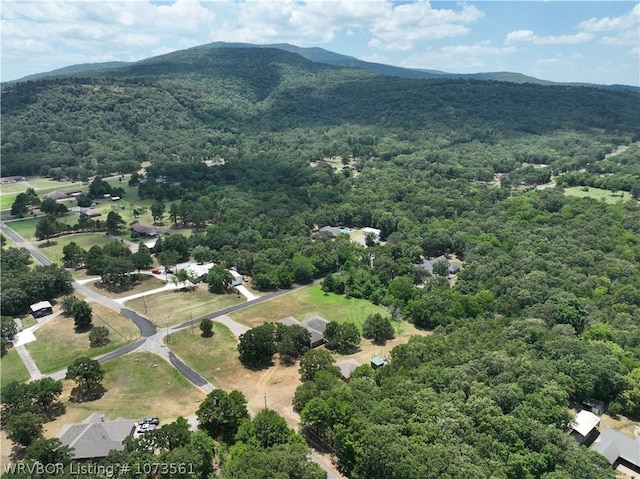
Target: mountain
208	101
320	55
73	69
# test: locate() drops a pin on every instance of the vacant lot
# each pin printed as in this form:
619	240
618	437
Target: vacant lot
217	358
12	368
138	385
84	240
306	302
58	344
597	193
145	283
177	306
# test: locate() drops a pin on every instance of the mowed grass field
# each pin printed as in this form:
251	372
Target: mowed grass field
306	302
57	344
85	240
12	368
177	306
598	194
137	385
42	186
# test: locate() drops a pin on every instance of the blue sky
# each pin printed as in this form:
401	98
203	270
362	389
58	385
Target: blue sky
577	41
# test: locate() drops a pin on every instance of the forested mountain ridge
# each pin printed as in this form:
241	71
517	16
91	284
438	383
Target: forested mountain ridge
185	102
320	55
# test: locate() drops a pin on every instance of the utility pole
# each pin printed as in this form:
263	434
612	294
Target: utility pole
265	400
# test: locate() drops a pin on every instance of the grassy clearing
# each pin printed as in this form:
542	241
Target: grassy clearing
42	186
12	368
25	227
84	240
306	302
144	284
177	306
138	385
58	344
205	355
597	193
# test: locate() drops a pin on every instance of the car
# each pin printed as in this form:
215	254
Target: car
149	420
155	271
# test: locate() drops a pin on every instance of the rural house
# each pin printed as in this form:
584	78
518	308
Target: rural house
56	195
96	436
622	452
427	265
585	426
144	230
316	325
347	367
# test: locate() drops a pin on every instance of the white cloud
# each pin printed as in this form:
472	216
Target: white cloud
460	58
404	24
528	36
606	24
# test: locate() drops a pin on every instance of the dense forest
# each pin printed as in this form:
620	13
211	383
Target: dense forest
545	312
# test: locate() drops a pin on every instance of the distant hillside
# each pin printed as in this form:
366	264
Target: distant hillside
73	69
320	55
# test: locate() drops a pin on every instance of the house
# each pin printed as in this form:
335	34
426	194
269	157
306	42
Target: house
622	452
144	230
427	265
96	436
199	271
585	426
6	180
43	308
90	212
335	231
377	362
347	367
316	325
56	195
375	232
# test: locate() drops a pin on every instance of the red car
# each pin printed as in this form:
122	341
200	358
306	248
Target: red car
155	271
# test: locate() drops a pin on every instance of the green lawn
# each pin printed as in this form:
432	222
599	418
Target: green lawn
597	193
25	227
84	240
306	302
205	355
42	186
137	385
177	306
12	368
57	344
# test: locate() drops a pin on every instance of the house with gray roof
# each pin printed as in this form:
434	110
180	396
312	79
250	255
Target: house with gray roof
427	265
316	325
96	436
144	230
621	451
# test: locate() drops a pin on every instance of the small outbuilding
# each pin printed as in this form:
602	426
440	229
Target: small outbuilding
347	367
584	427
378	361
41	309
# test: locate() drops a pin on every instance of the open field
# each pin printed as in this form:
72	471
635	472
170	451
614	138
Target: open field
58	344
177	306
84	240
138	385
306	302
144	284
25	227
12	368
42	186
597	193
